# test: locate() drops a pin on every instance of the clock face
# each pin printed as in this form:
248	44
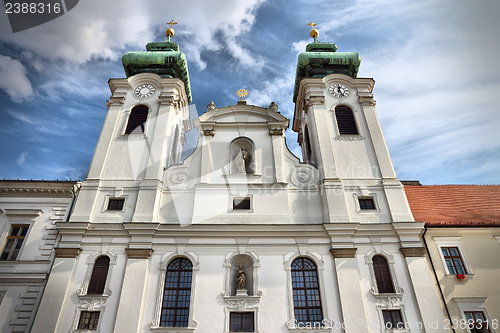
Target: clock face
144	90
338	90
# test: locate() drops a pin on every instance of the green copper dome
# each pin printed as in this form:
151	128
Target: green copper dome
322	59
162	58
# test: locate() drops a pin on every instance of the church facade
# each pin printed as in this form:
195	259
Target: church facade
241	236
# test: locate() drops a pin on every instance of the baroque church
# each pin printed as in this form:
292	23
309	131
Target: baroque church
241	236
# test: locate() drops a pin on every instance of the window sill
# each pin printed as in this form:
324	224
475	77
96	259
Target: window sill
454	276
173	329
349	137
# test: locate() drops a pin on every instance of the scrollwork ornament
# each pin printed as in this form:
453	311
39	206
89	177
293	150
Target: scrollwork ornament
179	176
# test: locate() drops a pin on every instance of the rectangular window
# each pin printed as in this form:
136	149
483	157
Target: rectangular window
453	260
241	203
116	203
477	322
14	242
241	322
88	320
392	319
366	203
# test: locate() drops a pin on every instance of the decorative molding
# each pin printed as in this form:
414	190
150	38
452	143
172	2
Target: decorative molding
276	131
242	302
63	252
138	253
166	100
116	100
343	253
366	99
314	100
413	251
37	191
209	132
349	137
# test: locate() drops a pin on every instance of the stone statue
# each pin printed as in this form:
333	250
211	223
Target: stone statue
211	106
241	160
241	277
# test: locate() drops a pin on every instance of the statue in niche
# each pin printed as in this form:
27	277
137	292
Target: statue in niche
241	277
241	160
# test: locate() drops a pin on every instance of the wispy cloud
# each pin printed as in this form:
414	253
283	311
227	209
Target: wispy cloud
14	79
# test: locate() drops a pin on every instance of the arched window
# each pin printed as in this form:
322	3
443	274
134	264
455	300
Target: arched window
177	293
382	275
306	297
99	275
345	120
137	118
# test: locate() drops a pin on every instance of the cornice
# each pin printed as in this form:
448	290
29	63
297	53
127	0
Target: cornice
48	189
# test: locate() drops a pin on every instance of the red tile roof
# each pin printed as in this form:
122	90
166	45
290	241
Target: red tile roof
455	205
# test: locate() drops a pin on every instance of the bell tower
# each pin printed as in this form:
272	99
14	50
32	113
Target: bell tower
340	134
143	134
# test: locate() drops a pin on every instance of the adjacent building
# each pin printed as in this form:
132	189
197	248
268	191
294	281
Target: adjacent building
28	213
463	241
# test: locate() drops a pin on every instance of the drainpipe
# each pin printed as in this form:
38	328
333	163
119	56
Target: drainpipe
436	277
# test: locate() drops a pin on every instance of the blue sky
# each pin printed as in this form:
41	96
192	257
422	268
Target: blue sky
434	63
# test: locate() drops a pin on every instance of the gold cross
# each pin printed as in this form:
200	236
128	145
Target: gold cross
311	24
171	23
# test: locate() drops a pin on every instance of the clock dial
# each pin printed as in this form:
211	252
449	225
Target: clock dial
144	90
338	90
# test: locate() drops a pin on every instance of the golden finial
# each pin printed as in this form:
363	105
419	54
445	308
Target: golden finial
242	93
170	31
314	32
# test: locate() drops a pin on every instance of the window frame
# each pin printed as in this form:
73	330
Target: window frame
451	241
318	261
16	238
401	309
398	291
242	312
453	259
237	197
473	304
366	199
365	195
486	320
143	125
78	328
192	324
99	283
116	199
176	292
82	292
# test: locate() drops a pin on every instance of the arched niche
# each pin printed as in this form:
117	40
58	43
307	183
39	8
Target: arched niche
241	264
242	156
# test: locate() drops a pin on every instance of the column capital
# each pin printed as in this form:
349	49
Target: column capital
413	251
138	253
343	252
63	252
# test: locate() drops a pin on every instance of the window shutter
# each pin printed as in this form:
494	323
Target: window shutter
382	275
99	275
345	120
137	118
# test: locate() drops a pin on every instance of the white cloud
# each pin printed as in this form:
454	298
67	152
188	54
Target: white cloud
87	32
14	79
22	158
